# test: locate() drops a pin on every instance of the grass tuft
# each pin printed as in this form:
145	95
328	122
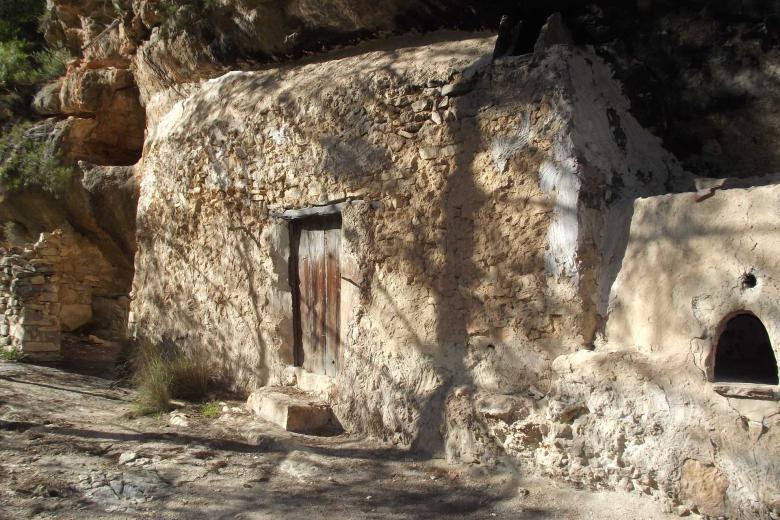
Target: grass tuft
11	354
190	375
161	374
210	410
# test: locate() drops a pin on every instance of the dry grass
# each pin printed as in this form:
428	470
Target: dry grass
190	375
163	373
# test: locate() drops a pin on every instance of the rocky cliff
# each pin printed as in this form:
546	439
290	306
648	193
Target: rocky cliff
701	76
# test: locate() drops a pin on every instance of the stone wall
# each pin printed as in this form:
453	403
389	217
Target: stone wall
642	412
29	302
475	270
62	283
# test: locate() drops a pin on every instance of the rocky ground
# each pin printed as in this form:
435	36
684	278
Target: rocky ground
69	450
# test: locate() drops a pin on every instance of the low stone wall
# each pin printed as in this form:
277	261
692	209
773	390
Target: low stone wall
29	302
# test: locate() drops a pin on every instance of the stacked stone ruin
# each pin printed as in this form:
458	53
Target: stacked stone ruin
48	289
29	301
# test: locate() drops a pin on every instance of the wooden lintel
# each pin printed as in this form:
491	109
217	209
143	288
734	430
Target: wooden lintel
748	391
332	208
314	211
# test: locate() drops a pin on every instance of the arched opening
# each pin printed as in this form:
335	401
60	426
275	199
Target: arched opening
744	353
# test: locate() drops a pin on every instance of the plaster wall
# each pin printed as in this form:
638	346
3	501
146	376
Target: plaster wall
490	209
468	271
681	278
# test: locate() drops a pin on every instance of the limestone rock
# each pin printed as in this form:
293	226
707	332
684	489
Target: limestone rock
47	101
127	456
73	316
705	486
553	32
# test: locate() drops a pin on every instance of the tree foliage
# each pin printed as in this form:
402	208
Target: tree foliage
19	20
29	158
26	158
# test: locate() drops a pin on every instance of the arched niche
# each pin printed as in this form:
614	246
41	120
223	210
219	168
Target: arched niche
744	352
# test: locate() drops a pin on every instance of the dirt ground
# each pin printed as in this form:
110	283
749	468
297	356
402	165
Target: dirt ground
69	451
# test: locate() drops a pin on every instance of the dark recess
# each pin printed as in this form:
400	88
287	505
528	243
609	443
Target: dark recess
744	353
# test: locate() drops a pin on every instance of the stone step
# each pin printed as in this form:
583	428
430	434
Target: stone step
294	410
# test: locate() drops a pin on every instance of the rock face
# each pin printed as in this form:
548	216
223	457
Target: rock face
700	75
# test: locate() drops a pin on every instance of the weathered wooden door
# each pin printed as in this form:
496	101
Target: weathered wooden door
316	275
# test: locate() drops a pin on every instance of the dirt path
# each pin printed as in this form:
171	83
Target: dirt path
67	451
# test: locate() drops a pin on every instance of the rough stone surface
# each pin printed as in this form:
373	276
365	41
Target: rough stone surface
29	306
51	288
480	255
705	486
492	209
553	32
667	306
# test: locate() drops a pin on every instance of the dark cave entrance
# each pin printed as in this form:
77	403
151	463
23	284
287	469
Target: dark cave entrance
744	353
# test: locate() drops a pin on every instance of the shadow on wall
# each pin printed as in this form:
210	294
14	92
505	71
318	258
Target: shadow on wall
452	213
213	281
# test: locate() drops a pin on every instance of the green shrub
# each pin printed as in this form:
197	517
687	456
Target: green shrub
210	410
19	19
162	373
28	159
187	13
11	354
16	66
50	63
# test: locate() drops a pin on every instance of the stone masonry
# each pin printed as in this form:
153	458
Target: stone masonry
50	288
29	301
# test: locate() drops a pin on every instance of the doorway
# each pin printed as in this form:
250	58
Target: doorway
315	275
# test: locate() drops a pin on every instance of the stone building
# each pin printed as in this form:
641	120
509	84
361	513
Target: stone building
487	259
482	259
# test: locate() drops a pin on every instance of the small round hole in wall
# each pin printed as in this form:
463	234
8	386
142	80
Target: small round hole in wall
749	281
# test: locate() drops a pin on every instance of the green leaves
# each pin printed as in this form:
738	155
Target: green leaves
15	64
29	160
19	19
19	68
28	156
184	13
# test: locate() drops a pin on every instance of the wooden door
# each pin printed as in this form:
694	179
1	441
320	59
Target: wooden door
316	276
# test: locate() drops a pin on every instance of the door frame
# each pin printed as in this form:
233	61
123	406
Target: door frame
328	217
352	272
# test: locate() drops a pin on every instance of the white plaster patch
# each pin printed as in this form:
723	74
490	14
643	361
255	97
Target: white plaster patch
218	176
277	135
560	178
